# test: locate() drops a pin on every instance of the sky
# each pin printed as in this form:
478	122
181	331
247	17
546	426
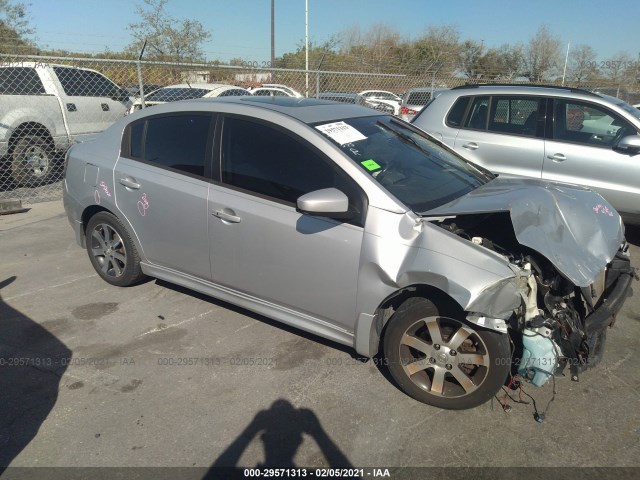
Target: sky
242	29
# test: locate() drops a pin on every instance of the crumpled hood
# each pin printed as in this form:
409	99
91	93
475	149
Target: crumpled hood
573	227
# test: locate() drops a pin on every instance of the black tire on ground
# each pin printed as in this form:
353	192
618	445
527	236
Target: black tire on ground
32	161
111	251
438	359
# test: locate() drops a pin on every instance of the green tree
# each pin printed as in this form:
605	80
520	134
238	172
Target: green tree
471	59
502	63
15	29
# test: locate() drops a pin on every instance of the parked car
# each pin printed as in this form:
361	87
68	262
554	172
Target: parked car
559	134
360	228
414	100
292	92
270	92
187	91
354	98
134	90
385	97
47	107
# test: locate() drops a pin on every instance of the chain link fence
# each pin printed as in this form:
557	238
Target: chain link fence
49	103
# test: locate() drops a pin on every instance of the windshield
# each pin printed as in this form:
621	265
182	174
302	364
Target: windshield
415	169
630	109
175	94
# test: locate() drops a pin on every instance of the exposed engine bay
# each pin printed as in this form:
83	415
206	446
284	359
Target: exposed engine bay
558	324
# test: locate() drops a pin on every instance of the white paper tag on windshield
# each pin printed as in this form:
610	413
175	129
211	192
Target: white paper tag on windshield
341	132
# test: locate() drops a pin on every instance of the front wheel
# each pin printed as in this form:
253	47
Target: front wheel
438	359
111	251
32	161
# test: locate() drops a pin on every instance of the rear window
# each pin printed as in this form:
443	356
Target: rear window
176	141
456	114
20	81
418	98
235	92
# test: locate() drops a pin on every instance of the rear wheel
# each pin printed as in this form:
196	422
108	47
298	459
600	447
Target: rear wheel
32	161
111	251
440	360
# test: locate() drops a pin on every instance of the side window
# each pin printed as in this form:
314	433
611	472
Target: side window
454	118
84	83
97	85
175	141
274	164
515	115
20	81
477	118
588	124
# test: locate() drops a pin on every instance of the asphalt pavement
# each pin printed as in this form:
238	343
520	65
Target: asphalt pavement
155	376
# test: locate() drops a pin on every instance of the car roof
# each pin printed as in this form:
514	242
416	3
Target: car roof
549	90
203	85
306	110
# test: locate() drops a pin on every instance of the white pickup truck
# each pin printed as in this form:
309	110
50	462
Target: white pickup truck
45	108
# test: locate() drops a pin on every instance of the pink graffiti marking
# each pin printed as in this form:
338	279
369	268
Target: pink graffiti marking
143	204
105	188
602	209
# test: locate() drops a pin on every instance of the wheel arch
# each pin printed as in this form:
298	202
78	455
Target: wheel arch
92	210
87	214
374	332
30	128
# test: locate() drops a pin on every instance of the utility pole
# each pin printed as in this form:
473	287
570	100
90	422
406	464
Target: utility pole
273	36
306	45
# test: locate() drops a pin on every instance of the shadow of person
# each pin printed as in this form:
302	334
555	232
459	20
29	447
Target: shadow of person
32	361
281	429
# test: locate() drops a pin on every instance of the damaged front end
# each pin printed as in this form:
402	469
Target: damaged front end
572	272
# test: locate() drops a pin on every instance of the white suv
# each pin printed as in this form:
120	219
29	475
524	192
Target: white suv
554	133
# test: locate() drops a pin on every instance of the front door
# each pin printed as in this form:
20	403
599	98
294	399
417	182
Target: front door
261	246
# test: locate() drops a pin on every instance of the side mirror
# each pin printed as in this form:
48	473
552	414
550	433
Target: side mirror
629	144
328	202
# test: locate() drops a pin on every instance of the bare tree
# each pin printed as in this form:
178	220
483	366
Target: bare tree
437	50
542	55
374	49
619	68
582	63
169	39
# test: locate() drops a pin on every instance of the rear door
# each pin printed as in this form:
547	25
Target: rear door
504	134
161	182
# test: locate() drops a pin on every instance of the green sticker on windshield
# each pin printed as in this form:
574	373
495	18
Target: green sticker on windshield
370	165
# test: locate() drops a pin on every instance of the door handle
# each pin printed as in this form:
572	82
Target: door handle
557	157
471	146
129	183
226	216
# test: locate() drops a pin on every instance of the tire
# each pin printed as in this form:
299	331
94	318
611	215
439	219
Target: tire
440	360
111	251
32	161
